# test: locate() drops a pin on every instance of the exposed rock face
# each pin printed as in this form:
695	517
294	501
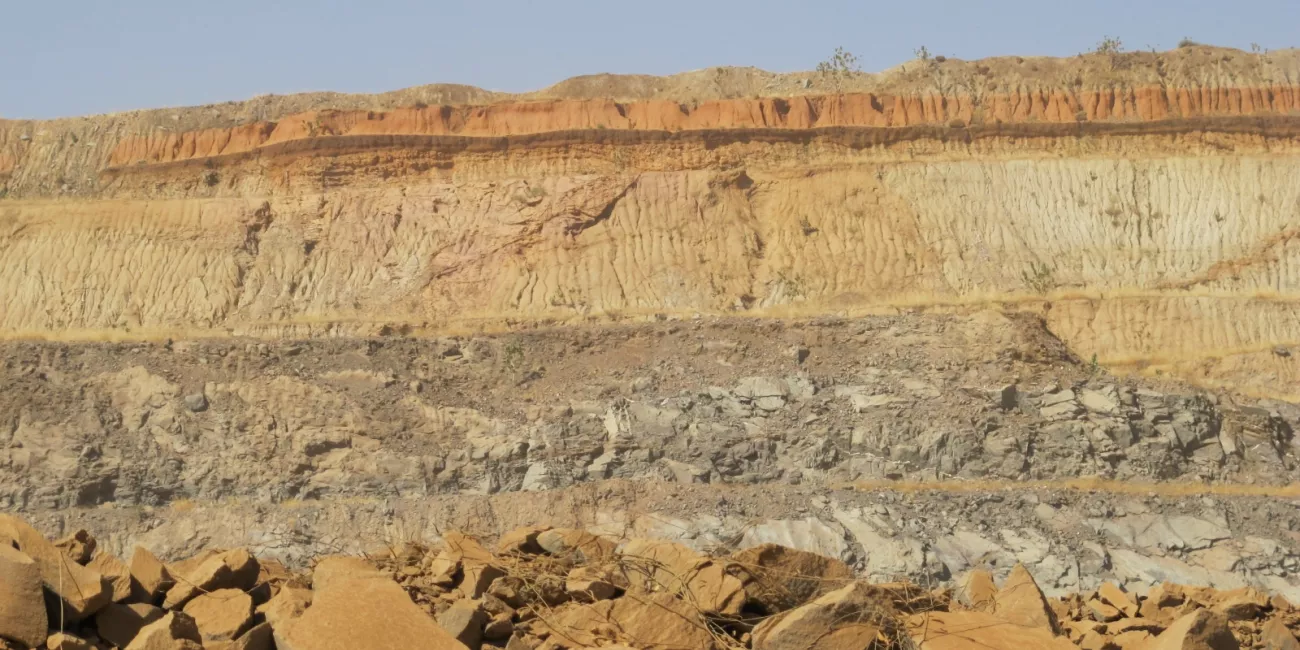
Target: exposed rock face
290	427
1139	220
306	220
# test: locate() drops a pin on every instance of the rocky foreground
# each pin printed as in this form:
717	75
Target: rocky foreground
564	589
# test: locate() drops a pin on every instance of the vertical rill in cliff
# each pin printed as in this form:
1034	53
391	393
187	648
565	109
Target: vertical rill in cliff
1145	205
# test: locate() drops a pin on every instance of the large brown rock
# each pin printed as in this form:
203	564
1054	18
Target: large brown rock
78	546
967	630
221	615
1241	604
236	569
464	620
119	624
175	631
332	570
578	545
149	576
1199	630
22	604
1275	635
1111	594
778	578
853	616
465	556
77	591
115	572
657	621
520	540
363	611
978	591
674	568
65	641
288	604
587	584
259	637
1021	602
271	575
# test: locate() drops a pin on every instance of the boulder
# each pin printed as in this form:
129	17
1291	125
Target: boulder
271	576
1130	624
1132	640
523	642
235	569
1159	601
288	604
175	631
465	621
498	628
221	615
1112	595
978	591
1093	640
149	576
1103	611
77	591
778	578
1199	630
65	641
580	545
119	624
588	584
79	546
1241	604
115	572
332	570
1275	635
854	616
1020	601
477	578
964	630
259	637
362	611
677	569
520	540
464	554
22	602
658	621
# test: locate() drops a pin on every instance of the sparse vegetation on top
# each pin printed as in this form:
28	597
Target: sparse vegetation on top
1110	45
842	63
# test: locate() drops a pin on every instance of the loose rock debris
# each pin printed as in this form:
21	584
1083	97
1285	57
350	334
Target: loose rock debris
568	589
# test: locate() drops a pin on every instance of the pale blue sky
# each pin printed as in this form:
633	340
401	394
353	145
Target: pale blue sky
73	57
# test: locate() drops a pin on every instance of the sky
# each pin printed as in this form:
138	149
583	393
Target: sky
66	57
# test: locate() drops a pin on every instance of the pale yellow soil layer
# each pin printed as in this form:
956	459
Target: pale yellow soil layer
1146	204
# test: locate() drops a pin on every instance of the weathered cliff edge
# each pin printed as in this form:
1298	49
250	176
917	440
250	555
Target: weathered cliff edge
1145	203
